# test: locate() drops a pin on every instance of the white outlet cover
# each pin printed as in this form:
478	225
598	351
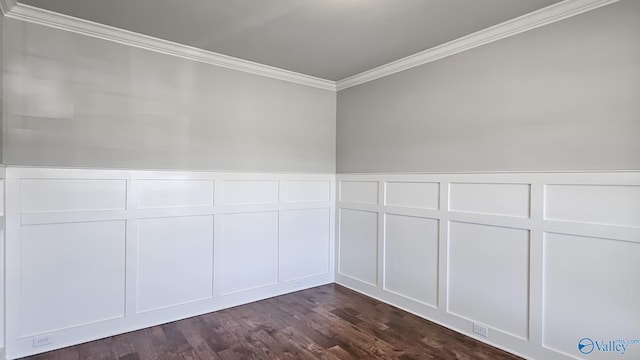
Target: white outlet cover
40	341
481	330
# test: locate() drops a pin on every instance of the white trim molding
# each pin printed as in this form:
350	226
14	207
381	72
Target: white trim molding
542	17
157	246
533	20
85	27
512	259
2	261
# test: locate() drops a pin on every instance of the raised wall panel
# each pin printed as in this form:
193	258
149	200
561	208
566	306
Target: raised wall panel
52	195
306	191
175	261
2	285
421	195
493	199
591	290
600	204
93	253
359	245
1	197
537	294
72	275
249	251
174	193
489	276
363	192
250	192
411	257
2	261
304	243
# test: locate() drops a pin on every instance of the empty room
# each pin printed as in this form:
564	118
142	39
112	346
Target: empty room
320	179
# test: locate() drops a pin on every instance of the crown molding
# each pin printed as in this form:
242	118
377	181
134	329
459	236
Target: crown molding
6	5
544	16
69	23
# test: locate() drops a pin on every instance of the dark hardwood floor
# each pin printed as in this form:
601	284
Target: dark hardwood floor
327	322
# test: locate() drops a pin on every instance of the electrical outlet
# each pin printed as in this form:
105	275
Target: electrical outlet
481	330
40	341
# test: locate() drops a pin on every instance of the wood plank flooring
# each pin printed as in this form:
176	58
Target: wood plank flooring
327	322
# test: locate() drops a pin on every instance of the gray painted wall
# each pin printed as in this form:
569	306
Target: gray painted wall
562	97
1	84
77	101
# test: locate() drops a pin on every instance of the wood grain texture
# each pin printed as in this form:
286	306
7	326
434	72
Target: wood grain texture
328	322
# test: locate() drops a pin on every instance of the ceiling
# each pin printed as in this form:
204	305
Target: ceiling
329	39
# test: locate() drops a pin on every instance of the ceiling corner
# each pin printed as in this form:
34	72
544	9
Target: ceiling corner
6	5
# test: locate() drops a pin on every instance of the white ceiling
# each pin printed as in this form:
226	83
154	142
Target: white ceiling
329	39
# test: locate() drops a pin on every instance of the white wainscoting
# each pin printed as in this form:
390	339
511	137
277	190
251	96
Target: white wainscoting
541	260
93	253
2	263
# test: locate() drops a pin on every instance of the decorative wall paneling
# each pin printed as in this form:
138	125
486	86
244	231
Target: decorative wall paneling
2	260
539	260
524	255
92	253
